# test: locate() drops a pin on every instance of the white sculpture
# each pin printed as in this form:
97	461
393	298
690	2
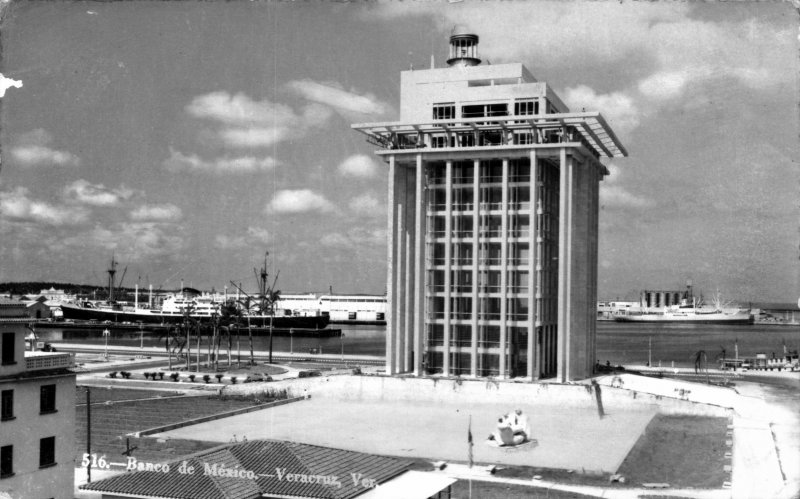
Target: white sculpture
512	429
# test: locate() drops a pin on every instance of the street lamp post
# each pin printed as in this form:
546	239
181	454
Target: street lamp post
291	341
141	337
341	338
106	332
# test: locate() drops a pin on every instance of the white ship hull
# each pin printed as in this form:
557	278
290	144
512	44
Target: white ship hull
690	316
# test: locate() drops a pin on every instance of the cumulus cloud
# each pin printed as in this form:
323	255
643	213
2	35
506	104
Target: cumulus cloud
132	240
355	238
6	83
664	84
83	192
157	213
667	41
178	162
358	165
618	108
239	109
614	195
617	196
299	201
255	137
33	148
253	236
367	204
247	123
333	95
17	205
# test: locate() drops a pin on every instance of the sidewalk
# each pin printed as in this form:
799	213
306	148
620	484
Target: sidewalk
482	473
764	440
156	352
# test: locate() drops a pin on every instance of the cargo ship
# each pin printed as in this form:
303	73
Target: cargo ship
682	307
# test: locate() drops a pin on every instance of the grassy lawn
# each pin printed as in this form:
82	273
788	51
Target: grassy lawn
264	368
110	423
487	490
683	451
107	394
553	475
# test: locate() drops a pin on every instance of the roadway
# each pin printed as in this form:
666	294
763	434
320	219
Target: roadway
260	355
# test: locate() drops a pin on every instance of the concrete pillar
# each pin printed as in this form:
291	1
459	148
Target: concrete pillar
475	250
419	270
597	169
448	255
504	273
533	254
566	181
410	251
391	315
400	270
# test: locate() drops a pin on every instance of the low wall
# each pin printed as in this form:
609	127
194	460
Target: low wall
460	391
212	417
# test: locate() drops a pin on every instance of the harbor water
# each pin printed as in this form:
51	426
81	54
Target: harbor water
617	343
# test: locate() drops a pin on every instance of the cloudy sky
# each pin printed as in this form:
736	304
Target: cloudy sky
188	138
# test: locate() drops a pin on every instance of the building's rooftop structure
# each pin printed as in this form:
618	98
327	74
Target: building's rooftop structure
466	92
267	468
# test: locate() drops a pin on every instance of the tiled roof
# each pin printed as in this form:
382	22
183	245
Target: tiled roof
276	467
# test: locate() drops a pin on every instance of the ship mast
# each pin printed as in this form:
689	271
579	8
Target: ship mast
111	273
262	284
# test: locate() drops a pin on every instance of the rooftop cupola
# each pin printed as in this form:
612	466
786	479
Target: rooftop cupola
463	48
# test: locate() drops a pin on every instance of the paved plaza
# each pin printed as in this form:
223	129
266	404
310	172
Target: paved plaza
566	438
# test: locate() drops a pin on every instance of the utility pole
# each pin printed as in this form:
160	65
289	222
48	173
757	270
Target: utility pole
89	434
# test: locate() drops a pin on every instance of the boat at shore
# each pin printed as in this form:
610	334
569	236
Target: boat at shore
174	311
687	315
251	311
681	307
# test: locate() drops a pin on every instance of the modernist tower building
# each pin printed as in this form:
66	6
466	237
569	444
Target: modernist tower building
493	219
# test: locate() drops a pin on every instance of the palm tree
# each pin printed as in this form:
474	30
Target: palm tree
272	296
246	303
700	360
229	317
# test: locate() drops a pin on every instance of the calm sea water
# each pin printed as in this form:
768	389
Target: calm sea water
618	343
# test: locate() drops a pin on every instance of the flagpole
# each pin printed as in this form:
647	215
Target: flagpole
469	453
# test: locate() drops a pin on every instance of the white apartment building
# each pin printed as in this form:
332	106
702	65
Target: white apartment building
37	415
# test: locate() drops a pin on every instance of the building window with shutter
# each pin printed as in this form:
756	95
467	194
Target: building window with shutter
7	349
6	461
7	405
47	399
47	452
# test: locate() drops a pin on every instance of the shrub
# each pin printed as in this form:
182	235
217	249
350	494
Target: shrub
147	375
191	377
160	375
206	378
219	377
233	380
174	376
112	374
125	374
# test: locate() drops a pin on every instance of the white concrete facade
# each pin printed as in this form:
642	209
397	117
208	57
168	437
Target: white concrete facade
493	220
38	402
